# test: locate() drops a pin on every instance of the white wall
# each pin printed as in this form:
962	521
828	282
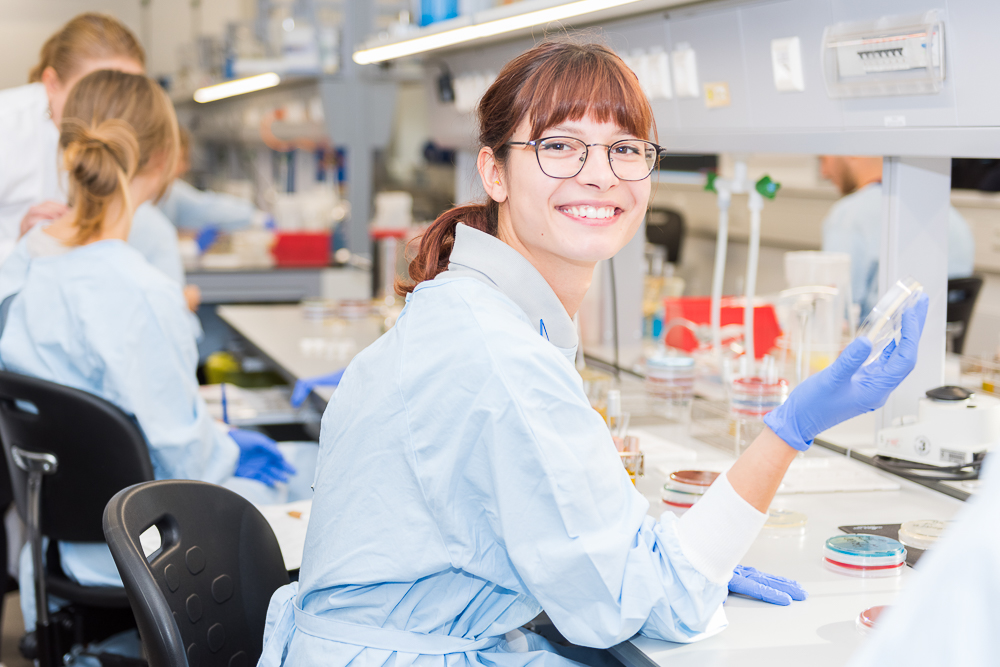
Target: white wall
26	24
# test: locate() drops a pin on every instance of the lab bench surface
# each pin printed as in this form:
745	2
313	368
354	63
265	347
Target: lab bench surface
279	285
821	630
300	348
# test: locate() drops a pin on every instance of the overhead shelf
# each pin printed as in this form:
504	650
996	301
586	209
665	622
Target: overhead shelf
504	22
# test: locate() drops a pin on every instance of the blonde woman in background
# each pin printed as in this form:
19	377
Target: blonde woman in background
86	310
31	186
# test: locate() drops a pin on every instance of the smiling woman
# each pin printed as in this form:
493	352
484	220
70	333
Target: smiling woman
500	493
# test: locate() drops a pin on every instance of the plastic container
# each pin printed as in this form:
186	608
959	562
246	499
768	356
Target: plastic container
751	398
868	618
684	488
354	309
885	321
864	555
670	386
921	534
786	520
301	248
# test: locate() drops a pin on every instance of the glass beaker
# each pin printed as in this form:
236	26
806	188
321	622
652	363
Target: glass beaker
750	399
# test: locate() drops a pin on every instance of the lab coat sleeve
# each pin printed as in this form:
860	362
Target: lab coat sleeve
575	529
156	240
193	209
146	359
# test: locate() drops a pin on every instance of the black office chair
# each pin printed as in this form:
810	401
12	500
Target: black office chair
665	227
202	597
68	452
962	295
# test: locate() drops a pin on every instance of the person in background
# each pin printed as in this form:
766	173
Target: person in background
854	226
32	189
86	310
192	210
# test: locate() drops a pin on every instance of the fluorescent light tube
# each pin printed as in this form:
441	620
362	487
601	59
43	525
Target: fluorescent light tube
467	33
236	87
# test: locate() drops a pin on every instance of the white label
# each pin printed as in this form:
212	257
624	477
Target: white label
895	121
786	64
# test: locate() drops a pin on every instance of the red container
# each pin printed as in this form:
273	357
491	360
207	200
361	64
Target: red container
301	249
698	309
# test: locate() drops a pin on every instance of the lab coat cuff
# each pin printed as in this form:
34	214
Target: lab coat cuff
717	532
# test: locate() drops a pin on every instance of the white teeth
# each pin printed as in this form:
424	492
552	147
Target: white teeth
591	212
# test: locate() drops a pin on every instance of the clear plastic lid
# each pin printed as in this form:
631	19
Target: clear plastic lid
869	617
885	321
785	519
921	534
870	546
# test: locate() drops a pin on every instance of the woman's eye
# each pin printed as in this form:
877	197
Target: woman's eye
556	147
627	149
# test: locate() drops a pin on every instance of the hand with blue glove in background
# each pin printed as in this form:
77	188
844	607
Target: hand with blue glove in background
847	389
259	458
753	583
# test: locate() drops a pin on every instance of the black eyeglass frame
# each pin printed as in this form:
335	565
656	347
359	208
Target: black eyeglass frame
660	151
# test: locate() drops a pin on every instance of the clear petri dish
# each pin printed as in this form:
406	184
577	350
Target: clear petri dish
679	498
785	519
864	555
885	321
868	618
921	534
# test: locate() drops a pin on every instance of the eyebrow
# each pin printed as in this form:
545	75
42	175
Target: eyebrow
575	129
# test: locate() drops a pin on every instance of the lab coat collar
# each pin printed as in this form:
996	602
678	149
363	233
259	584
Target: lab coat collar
490	260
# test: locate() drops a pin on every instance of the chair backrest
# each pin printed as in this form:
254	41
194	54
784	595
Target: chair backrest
962	295
202	597
100	449
665	227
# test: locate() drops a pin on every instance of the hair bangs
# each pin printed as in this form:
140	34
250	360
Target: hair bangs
591	81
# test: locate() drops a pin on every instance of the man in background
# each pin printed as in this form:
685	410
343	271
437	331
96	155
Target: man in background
854	225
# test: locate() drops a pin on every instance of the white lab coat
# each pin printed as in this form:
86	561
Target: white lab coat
465	484
192	209
29	149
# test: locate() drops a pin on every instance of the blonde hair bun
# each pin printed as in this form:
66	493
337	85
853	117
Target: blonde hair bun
100	158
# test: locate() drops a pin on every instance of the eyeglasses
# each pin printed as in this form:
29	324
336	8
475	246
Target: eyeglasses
564	157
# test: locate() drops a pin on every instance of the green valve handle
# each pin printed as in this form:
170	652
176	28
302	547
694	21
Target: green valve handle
766	187
710	181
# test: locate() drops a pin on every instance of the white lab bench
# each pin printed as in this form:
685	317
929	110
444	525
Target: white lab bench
818	632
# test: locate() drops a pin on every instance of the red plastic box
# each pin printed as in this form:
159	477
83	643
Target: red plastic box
698	309
301	249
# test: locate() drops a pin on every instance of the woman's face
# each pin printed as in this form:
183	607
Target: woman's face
58	90
578	220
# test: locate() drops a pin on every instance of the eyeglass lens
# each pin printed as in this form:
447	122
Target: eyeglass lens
564	157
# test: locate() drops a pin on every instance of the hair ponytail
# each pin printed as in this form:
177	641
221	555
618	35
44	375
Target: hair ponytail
436	242
101	160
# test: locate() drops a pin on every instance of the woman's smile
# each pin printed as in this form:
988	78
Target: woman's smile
592	214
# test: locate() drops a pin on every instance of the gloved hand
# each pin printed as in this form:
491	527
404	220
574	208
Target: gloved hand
759	585
304	387
206	237
260	458
845	389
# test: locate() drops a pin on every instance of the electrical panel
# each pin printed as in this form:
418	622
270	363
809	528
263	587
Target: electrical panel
894	55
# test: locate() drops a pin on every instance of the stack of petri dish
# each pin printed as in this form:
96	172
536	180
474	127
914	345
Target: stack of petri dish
751	398
685	488
670	386
921	534
864	555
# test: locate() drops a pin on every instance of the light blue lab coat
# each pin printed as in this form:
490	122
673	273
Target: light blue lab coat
190	208
156	240
854	226
464	484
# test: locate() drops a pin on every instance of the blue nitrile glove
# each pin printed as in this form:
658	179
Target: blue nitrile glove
260	458
206	237
767	587
304	387
846	389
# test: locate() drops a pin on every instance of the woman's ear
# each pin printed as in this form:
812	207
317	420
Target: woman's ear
491	175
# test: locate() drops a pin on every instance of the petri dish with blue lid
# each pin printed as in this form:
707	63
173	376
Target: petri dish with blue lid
859	555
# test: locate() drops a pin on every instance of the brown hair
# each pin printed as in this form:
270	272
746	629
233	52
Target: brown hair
547	84
113	124
89	36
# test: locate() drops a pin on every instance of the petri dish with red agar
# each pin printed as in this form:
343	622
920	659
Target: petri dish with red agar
867	619
686	487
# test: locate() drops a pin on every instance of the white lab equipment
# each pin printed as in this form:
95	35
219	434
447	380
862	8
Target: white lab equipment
953	427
